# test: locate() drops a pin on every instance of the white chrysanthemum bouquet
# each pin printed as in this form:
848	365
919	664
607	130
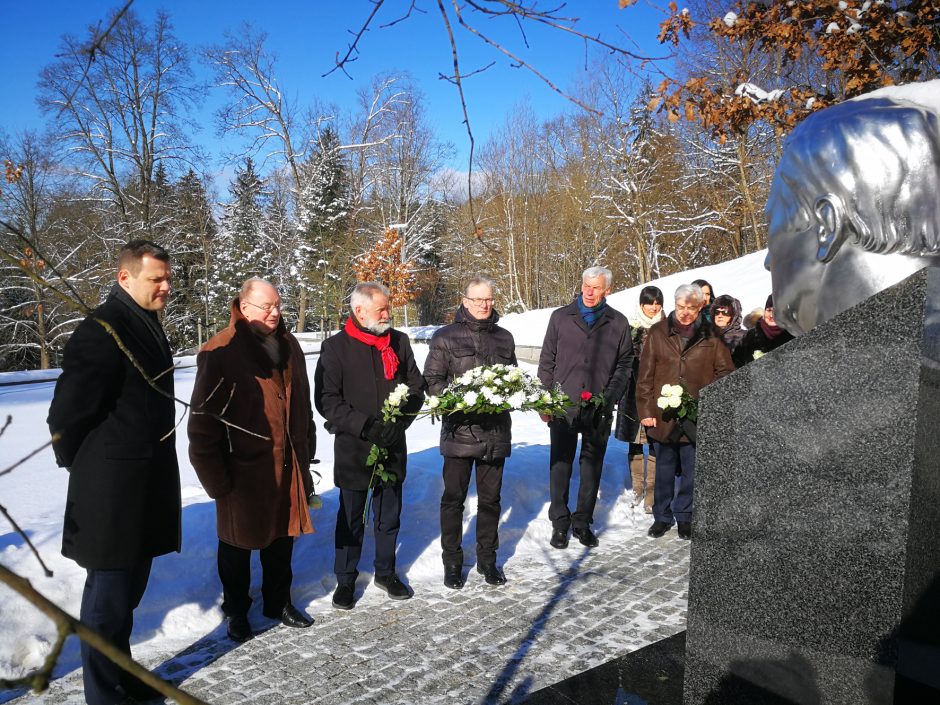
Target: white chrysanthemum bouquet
493	389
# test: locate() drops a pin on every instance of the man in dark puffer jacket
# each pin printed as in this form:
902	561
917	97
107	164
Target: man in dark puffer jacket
472	340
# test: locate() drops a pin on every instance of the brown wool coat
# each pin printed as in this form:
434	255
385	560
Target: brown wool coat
665	360
260	484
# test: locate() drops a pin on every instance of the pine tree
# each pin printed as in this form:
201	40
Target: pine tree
193	236
241	250
323	213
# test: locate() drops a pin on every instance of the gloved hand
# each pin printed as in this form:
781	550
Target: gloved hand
382	434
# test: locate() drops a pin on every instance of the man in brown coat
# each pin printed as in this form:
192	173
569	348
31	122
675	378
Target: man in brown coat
683	349
251	440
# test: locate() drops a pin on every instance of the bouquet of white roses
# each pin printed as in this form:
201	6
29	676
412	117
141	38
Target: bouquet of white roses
493	389
676	401
391	409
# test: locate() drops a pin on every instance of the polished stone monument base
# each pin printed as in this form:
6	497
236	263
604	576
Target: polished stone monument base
648	676
814	568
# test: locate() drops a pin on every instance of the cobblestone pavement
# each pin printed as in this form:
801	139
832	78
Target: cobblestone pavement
560	614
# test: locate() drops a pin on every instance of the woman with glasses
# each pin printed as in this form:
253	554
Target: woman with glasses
726	318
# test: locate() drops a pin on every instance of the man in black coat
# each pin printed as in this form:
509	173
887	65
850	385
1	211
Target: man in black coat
588	351
472	340
113	429
358	369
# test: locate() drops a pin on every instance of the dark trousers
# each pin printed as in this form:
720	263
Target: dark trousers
386	520
276	577
108	605
670	503
591	461
456	483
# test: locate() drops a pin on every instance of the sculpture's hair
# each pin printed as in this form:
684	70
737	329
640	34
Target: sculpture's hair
881	158
132	255
651	295
476	281
250	284
364	292
592	272
690	292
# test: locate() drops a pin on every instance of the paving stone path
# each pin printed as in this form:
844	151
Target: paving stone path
560	613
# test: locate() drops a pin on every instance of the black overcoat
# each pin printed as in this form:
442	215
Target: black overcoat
597	359
349	389
117	439
455	349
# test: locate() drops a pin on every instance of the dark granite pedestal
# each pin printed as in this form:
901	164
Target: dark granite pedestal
814	567
648	676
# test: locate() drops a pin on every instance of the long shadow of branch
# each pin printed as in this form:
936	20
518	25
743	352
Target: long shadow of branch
566	579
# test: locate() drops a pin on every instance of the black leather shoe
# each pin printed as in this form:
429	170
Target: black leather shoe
685	530
344	596
395	588
139	692
585	536
238	628
293	617
453	576
658	529
559	538
491	574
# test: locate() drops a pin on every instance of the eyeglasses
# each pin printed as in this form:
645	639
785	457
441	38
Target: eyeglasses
480	302
267	308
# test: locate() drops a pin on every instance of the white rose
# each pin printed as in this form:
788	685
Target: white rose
663	403
666	391
758	354
676	390
675	402
546	397
489	375
433	402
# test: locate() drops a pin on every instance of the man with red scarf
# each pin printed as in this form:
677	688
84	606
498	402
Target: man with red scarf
358	368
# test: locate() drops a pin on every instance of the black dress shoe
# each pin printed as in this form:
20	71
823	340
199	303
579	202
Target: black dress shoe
395	588
658	529
344	596
238	628
585	536
293	617
453	576
685	530
140	692
491	574
559	538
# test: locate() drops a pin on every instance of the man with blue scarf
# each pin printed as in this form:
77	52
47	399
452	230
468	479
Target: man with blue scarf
588	352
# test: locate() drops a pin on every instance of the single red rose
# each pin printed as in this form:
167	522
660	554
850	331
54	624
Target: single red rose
586	396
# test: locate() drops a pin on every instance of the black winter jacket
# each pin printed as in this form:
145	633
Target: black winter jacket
461	346
596	359
756	340
350	389
117	439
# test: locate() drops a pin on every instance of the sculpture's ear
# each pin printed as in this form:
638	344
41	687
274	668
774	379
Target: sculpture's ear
830	217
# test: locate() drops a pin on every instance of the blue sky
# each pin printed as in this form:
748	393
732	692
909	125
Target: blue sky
306	37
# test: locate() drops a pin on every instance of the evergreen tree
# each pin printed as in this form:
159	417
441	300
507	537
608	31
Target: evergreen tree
241	249
323	213
194	231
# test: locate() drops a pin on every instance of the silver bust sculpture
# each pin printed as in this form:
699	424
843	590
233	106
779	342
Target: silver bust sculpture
854	207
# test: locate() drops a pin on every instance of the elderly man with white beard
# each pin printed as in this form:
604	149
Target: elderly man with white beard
358	369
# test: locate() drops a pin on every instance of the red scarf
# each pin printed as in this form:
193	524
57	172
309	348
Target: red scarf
382	343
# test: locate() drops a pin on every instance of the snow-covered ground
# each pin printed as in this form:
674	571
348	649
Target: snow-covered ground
182	601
